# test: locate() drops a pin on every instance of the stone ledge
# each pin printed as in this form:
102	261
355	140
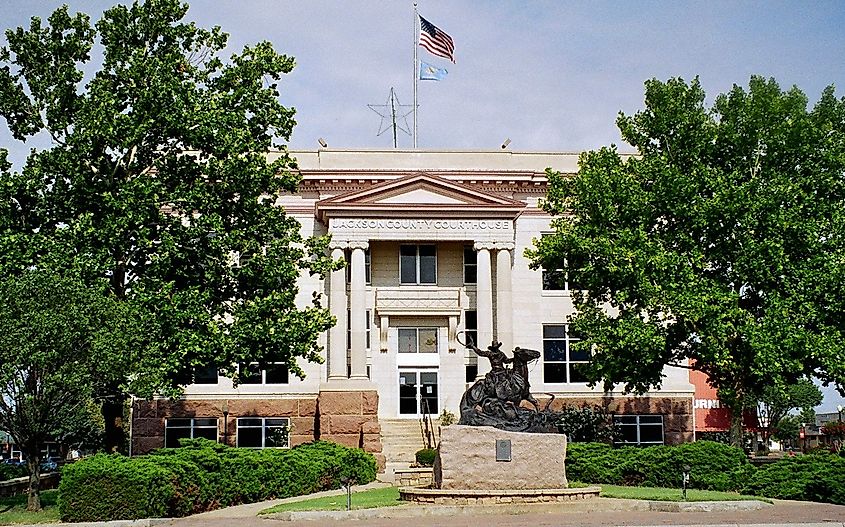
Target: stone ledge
495	497
413	477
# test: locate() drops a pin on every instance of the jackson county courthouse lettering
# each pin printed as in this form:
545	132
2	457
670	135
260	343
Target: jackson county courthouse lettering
434	242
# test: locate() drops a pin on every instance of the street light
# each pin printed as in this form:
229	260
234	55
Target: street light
839	409
686	468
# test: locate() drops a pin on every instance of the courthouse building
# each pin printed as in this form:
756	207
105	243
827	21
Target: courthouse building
435	244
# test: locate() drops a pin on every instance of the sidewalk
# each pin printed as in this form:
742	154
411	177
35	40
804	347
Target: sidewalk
251	510
601	512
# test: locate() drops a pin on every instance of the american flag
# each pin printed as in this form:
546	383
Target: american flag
436	41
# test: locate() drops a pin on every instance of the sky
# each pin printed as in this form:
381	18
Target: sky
548	75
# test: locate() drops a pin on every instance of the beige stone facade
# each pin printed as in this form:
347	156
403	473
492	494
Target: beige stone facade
435	243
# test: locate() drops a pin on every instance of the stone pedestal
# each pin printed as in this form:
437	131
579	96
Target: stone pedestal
467	459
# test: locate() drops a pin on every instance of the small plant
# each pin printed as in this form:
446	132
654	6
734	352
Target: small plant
447	418
425	457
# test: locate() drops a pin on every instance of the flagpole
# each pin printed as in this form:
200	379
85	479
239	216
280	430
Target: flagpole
416	68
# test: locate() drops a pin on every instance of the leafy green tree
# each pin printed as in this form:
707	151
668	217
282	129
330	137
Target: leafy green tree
52	331
718	247
587	424
807	415
159	183
787	429
776	402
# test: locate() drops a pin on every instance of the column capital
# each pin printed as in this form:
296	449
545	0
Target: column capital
349	244
493	245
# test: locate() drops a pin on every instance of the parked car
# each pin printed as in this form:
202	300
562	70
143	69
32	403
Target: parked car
50	464
14	462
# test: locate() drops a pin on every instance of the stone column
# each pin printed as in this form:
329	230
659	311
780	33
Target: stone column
504	296
358	311
484	303
338	306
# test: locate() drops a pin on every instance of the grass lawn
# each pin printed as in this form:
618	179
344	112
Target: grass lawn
368	499
13	509
663	494
389	496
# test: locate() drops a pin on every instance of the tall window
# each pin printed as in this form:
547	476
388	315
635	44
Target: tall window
263	432
471	326
418	264
275	373
188	428
367	266
562	279
639	429
205	375
417	340
561	363
470	265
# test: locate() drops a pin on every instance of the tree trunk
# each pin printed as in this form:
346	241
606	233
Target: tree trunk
736	425
115	438
33	464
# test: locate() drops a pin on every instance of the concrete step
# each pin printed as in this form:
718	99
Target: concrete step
400	439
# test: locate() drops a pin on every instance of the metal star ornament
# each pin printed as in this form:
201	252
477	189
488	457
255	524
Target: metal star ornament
393	114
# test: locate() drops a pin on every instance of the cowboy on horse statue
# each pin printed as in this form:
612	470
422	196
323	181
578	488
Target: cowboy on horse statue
496	399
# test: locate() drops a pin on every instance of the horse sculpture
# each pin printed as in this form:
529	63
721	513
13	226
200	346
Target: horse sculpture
496	399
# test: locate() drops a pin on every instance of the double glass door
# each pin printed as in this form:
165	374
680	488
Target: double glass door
418	393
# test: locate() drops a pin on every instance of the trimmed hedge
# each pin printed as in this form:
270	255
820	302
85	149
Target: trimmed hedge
202	475
713	466
425	457
810	477
8	471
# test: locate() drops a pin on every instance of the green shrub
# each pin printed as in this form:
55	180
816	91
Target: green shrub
203	475
8	471
425	457
114	487
811	477
713	466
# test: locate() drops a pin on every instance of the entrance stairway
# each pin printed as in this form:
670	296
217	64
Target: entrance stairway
400	440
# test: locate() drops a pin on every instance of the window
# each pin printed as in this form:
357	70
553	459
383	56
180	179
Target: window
417	340
274	373
639	429
418	264
471	326
470	265
561	279
471	372
188	428
367	266
561	363
205	375
263	432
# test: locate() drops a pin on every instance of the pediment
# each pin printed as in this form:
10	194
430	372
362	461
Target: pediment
422	194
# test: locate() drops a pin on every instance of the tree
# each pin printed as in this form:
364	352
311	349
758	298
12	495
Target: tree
718	247
587	424
776	401
787	429
52	331
159	183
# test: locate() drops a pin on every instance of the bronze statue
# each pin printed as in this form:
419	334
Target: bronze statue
496	399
